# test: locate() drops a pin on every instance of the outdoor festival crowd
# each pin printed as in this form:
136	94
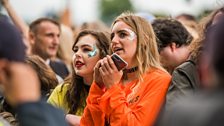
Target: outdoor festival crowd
52	74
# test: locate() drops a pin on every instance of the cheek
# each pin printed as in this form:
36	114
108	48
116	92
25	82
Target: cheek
135	45
73	57
91	61
166	58
86	56
165	53
131	46
89	66
163	57
41	40
45	42
41	47
162	61
73	60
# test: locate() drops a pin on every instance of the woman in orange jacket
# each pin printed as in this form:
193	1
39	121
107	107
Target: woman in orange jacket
133	96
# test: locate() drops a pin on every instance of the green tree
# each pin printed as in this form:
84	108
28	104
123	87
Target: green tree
112	8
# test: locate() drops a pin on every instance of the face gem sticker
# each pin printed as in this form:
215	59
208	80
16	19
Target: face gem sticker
132	34
93	53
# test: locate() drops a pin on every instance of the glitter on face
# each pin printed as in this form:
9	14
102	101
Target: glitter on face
132	34
93	53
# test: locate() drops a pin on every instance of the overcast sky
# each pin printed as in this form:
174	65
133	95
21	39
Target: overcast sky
87	10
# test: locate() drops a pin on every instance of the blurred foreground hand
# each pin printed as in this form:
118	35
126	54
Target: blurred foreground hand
73	120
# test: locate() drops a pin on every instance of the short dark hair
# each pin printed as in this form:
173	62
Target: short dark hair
169	30
34	25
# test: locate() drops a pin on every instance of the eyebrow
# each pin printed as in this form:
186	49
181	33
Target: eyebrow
84	45
122	30
53	33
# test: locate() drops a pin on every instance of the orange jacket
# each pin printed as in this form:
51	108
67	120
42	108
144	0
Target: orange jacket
135	104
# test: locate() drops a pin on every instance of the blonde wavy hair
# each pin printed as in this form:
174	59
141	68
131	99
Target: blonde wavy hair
147	54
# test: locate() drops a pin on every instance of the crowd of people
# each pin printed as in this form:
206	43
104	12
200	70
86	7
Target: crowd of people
51	75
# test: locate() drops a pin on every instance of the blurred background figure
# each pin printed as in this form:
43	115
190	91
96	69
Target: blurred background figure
65	46
185	17
188	78
44	37
41	38
94	25
46	75
206	108
148	16
19	82
173	41
205	23
190	23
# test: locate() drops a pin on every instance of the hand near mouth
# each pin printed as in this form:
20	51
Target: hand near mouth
97	77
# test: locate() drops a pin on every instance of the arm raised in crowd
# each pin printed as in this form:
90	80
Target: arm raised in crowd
19	23
17	20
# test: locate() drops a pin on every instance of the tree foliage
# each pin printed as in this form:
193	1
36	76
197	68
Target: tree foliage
112	8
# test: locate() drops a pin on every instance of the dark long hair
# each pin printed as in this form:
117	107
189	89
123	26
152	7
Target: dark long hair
77	93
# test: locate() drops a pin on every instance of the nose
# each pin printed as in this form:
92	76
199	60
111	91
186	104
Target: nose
56	39
77	54
115	40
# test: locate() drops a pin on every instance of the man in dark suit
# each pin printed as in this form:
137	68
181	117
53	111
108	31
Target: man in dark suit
44	37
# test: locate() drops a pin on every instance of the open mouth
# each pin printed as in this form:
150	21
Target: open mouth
79	64
116	49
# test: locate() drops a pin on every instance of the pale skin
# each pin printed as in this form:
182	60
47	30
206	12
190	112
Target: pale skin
82	50
87	53
73	120
123	43
45	41
105	72
108	71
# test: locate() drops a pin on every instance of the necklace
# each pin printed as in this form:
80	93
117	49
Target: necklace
131	70
126	71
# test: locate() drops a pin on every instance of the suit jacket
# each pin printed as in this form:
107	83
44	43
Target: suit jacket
59	68
185	81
